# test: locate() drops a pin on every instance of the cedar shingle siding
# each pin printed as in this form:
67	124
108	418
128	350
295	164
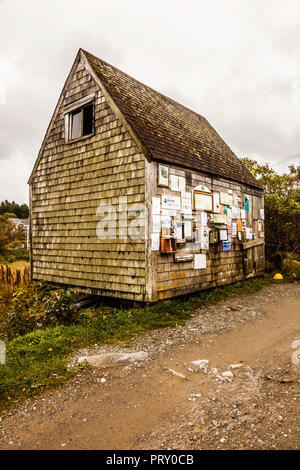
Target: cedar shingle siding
135	127
67	186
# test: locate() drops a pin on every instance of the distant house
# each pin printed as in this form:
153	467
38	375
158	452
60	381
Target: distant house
17	222
23	224
135	196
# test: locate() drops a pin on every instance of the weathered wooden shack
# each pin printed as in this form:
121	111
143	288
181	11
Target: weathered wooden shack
135	196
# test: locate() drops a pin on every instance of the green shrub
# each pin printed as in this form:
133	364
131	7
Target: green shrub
34	307
61	308
17	254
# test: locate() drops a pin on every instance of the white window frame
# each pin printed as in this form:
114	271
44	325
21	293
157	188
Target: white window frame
67	113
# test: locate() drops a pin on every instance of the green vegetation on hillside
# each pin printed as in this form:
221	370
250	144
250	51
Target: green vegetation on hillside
282	206
12	240
20	210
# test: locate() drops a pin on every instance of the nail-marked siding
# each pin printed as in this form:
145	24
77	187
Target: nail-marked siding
68	184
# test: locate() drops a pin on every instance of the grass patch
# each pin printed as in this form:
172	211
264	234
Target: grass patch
38	360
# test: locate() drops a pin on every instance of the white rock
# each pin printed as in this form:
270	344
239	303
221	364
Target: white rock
202	364
219	377
177	374
228	374
99	360
235	366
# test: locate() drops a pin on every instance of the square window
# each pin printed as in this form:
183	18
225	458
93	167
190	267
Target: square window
81	122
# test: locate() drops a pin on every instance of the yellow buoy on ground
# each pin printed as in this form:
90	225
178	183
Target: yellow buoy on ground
278	276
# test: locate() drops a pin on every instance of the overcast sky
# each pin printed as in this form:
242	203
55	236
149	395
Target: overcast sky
236	62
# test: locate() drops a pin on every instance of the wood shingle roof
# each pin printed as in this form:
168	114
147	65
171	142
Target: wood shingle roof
169	131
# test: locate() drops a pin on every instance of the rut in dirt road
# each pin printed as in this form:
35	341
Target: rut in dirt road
245	394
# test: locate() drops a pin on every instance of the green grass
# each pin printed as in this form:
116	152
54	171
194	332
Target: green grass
38	360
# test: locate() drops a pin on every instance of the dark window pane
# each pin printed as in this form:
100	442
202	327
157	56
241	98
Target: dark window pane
87	120
76	124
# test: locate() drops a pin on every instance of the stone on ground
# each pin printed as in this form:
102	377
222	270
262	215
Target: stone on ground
100	360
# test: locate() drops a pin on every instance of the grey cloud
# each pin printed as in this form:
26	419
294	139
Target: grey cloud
234	62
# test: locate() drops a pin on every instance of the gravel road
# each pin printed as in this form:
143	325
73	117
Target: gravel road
245	395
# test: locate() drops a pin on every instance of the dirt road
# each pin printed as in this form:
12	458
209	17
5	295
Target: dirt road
147	406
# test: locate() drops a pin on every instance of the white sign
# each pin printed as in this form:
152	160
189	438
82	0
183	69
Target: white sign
259	228
229	216
171	202
249	234
199	261
234	229
181	184
156	205
226	199
186	200
236	200
179	231
187	228
204	238
236	212
203	219
155	238
202	188
174	183
216	202
163	175
156	223
220	218
166	221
